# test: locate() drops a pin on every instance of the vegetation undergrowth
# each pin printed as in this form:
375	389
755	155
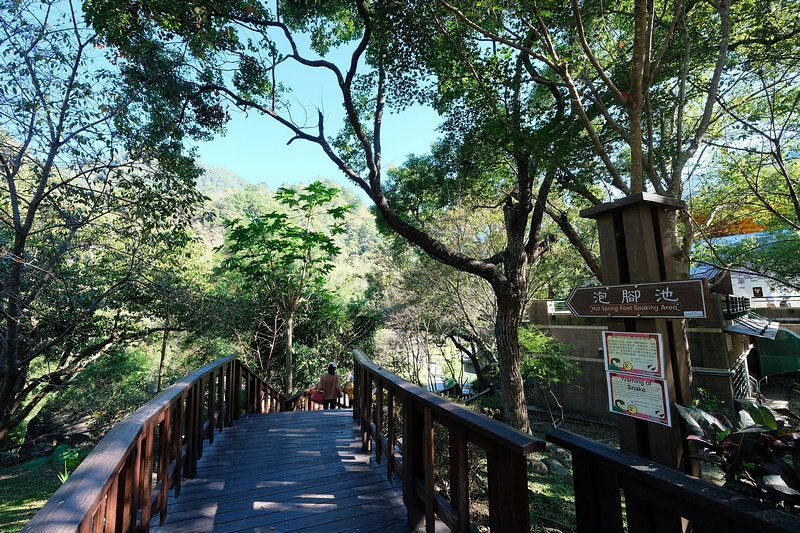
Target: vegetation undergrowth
551	502
24	490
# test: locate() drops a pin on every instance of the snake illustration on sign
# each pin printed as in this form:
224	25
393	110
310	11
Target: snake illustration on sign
640	354
639	397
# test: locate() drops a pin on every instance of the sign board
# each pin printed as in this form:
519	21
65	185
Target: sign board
663	299
640	354
639	397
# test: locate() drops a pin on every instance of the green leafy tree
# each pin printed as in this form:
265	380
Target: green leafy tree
545	362
751	181
543	98
287	259
95	201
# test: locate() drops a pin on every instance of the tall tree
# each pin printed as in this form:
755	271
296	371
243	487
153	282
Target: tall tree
288	259
551	96
752	179
94	200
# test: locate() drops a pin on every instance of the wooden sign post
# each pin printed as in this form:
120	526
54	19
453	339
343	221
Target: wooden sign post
635	248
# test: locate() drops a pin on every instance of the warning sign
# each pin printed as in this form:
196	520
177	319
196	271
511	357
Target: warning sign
639	397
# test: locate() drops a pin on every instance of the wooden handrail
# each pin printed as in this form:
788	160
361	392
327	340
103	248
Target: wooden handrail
124	482
301	401
657	498
411	454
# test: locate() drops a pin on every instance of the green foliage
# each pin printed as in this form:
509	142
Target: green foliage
23	491
282	256
762	253
64	459
110	388
545	365
545	358
758	453
285	260
490	405
552	502
708	402
97	199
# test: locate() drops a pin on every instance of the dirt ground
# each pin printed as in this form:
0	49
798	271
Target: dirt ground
601	432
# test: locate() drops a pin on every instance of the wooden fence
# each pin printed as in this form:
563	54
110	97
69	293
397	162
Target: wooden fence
124	482
410	451
657	498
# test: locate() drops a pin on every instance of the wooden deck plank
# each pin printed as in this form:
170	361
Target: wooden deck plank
285	472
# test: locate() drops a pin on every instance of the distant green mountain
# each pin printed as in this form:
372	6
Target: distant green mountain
218	180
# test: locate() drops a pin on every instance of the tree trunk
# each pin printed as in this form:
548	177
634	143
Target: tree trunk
163	353
9	357
289	351
509	307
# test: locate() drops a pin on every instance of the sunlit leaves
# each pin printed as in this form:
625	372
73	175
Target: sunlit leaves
97	199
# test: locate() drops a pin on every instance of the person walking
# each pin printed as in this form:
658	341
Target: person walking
331	387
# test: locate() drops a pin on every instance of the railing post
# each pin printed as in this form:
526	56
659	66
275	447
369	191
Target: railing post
413	467
146	475
508	490
188	459
237	391
212	406
459	479
126	509
378	420
201	410
177	443
597	505
427	468
390	435
366	411
222	407
163	464
356	390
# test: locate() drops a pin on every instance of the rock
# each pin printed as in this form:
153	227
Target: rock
537	467
554	467
8	458
540	427
558	453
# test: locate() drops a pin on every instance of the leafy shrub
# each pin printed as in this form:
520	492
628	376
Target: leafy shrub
759	454
545	364
64	459
110	388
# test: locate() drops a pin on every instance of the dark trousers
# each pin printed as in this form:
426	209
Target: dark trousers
329	404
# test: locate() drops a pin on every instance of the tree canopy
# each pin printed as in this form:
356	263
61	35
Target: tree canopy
288	259
547	106
97	197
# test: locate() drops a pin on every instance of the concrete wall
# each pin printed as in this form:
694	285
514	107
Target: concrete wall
589	391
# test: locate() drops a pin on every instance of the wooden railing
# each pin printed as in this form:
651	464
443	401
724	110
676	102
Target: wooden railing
301	401
410	453
124	482
657	498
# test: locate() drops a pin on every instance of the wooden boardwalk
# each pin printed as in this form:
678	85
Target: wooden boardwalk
282	472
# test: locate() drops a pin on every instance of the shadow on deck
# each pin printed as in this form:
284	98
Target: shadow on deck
281	472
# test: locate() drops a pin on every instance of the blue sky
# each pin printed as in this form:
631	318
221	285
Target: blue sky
255	147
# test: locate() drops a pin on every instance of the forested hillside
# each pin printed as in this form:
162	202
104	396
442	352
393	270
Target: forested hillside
217	180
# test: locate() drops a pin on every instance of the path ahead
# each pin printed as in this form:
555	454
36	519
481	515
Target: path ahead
281	472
